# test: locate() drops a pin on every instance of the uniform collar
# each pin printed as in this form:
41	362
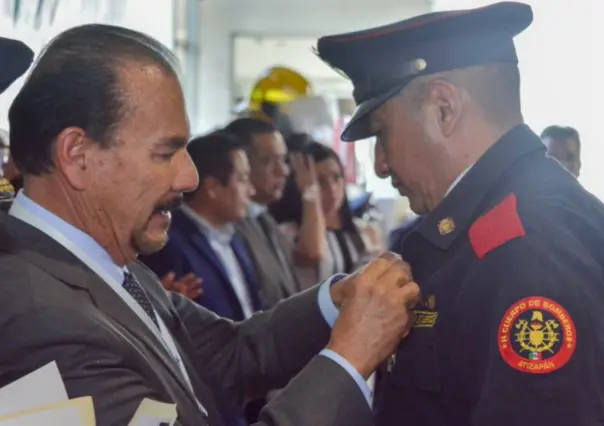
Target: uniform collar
454	214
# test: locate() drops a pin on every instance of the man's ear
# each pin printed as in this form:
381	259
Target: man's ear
72	156
210	187
449	100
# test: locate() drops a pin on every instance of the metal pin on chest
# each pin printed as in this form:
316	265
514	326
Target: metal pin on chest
391	363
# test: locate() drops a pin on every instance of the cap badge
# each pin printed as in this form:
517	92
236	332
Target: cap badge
446	226
420	64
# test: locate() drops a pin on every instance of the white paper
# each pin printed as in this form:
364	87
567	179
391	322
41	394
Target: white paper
68	416
153	413
41	387
75	412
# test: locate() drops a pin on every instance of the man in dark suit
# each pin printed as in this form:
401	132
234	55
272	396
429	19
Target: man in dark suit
267	154
202	238
508	253
99	132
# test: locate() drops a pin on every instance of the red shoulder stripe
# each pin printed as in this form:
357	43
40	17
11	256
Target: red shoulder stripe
496	228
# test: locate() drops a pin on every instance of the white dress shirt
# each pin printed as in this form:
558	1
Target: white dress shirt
220	241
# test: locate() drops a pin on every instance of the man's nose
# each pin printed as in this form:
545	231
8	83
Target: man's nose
251	191
379	164
186	179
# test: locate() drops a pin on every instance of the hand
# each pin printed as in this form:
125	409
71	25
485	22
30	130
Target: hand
189	286
303	167
375	314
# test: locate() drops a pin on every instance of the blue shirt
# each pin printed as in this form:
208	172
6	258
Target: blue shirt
103	260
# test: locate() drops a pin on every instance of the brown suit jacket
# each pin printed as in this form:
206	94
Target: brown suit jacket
53	308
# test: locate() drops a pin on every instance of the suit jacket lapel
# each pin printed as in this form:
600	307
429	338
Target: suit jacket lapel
50	256
112	305
182	341
200	242
205	250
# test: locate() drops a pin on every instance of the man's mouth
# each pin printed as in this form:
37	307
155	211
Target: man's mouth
167	207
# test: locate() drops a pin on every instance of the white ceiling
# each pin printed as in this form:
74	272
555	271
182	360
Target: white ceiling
283	32
254	55
316	17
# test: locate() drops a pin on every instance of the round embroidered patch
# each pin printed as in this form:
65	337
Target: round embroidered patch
536	336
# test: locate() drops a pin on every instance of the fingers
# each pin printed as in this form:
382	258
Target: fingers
397	271
311	167
410	294
380	265
297	161
303	166
169	277
194	293
398	278
191	280
189	285
168	280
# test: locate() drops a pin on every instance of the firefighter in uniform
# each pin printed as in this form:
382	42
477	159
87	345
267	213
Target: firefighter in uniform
508	254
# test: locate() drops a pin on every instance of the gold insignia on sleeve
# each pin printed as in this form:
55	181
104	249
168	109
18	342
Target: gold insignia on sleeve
446	226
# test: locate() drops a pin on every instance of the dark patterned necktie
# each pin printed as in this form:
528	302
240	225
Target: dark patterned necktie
132	286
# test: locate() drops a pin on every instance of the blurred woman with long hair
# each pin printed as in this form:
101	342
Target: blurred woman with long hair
336	242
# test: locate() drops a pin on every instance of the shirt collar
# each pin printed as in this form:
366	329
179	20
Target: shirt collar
254	209
458	179
224	234
84	242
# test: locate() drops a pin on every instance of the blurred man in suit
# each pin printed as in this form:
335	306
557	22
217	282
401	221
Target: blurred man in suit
202	241
267	154
201	238
563	144
99	132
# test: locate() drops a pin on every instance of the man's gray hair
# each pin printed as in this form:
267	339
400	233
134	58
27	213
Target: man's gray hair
495	88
